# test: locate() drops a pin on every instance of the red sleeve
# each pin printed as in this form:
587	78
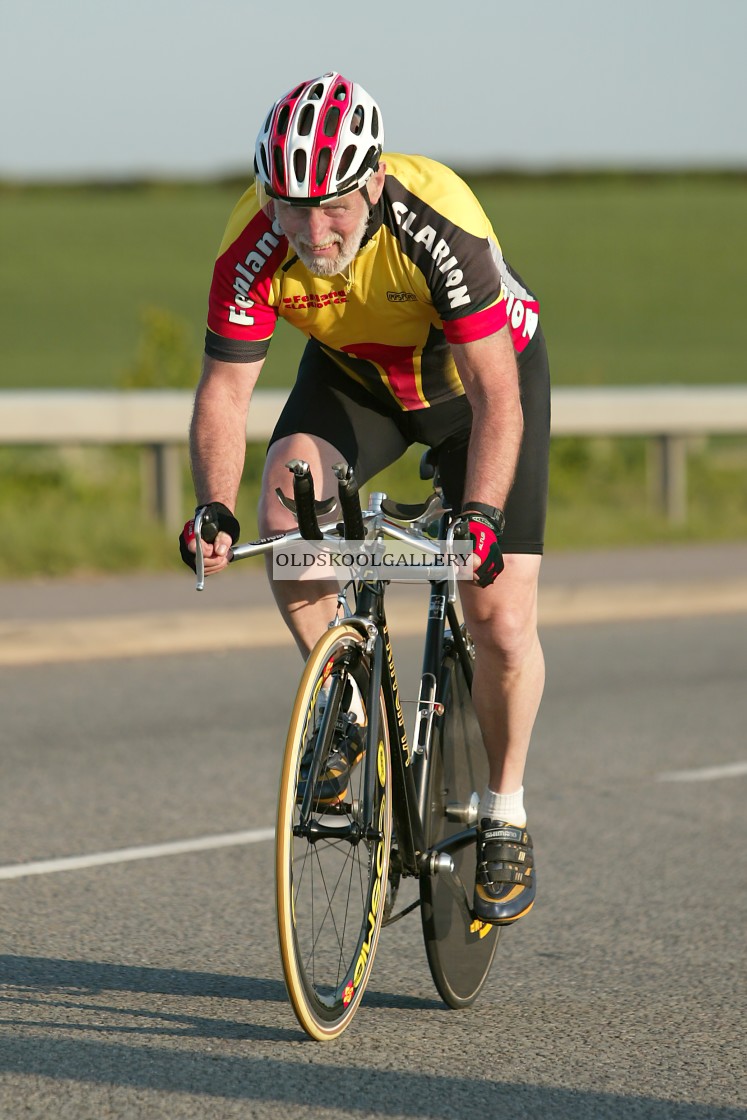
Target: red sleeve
240	307
479	325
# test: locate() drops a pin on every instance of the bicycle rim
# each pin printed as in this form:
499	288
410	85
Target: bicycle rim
330	892
460	950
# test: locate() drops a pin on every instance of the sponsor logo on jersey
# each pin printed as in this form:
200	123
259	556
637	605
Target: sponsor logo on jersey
522	309
400	297
247	271
313	301
523	317
439	249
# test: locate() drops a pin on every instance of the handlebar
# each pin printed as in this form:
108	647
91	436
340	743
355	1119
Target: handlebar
350	502
304	501
358	524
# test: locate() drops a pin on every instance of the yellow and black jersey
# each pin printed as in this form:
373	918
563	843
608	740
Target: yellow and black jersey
430	272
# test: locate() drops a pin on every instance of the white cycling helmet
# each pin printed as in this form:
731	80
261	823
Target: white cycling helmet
321	140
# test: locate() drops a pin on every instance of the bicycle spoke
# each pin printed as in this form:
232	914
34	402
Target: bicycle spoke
339	891
327	883
329	910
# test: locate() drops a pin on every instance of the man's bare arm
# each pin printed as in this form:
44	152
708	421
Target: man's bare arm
217	438
488	370
217	444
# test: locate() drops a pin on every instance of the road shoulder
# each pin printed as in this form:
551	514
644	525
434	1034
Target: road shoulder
79	620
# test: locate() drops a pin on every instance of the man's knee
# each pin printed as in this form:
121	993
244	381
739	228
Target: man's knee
272	515
508	633
502	619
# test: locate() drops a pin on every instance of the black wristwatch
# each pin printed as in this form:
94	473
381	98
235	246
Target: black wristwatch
489	511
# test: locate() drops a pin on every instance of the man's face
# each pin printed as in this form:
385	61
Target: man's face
327	237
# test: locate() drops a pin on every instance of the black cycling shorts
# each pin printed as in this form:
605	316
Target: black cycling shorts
370	435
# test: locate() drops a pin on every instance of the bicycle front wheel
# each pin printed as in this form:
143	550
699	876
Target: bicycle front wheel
333	839
460	949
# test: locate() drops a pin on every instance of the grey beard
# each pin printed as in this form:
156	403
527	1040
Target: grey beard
348	250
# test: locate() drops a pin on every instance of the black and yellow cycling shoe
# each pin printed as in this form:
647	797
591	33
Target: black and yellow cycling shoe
505	881
345	753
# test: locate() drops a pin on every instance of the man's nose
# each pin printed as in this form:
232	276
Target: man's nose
317	226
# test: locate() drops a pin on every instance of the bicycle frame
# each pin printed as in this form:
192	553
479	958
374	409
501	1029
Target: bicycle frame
410	808
409	760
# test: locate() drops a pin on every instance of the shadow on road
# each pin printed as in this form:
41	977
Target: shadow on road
66	985
51	975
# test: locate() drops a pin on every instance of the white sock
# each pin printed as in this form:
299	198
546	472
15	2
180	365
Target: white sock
356	707
507	807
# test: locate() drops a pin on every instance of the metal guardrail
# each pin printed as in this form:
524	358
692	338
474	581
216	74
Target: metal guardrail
159	421
156	419
670	416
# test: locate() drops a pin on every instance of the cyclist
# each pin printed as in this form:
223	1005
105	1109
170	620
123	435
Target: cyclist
418	331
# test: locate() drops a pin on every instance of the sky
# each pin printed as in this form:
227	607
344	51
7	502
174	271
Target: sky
94	89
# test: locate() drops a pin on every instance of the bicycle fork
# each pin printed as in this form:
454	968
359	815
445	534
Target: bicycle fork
363	824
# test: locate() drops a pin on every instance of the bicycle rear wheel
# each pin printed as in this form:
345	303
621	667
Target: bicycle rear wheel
331	874
460	950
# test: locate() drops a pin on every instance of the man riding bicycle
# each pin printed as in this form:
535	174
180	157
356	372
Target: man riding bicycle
418	332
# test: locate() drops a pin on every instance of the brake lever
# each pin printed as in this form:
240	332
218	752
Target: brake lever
199	559
452	573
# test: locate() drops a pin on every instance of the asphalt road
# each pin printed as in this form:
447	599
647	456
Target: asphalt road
151	987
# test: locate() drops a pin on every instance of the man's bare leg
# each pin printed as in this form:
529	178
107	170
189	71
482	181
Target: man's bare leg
507	689
307	606
509	666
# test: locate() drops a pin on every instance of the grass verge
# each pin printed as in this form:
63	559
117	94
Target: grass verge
77	511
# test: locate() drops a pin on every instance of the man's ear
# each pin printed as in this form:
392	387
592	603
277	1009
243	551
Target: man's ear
375	184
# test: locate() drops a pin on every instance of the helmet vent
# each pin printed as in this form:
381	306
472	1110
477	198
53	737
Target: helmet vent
322	165
299	166
277	157
306	120
331	120
345	162
320	141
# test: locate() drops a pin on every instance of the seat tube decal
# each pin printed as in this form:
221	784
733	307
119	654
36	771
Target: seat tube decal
401	729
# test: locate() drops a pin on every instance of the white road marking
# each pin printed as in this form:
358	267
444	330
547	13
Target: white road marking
127	855
705	773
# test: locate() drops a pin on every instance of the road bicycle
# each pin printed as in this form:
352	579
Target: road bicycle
409	806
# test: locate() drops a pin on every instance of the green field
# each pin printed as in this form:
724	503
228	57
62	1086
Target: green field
641	280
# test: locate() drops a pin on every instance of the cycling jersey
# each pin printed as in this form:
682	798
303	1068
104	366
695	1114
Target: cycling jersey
430	272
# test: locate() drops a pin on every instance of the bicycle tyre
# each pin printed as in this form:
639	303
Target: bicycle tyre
330	893
460	950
